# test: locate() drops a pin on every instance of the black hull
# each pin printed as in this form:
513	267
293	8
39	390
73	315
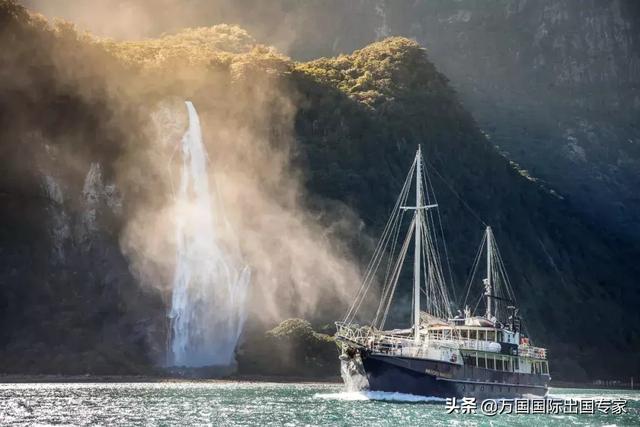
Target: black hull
425	377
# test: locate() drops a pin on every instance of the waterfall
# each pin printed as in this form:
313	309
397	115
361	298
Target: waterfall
210	280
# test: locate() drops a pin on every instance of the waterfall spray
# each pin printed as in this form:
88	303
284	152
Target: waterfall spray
211	280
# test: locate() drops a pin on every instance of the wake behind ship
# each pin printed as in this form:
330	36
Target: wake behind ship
485	355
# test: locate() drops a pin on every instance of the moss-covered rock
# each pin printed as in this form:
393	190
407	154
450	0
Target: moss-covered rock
292	348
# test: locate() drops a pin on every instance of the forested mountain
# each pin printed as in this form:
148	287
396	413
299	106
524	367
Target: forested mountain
82	162
554	83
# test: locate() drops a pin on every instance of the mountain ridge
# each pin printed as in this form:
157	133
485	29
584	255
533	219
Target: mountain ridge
356	121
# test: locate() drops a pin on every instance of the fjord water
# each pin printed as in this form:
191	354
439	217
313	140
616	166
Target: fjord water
244	403
210	283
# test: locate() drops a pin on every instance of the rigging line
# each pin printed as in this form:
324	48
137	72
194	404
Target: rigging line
397	224
431	273
393	235
392	252
477	304
444	242
552	262
396	209
432	286
474	269
398	268
382	244
398	227
503	270
395	213
435	284
457	195
390	285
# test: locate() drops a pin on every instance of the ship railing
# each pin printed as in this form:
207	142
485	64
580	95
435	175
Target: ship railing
375	340
489	346
391	344
532	352
353	332
479	345
458	344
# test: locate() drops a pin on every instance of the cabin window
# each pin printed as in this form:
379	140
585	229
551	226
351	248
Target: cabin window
463	333
507	364
472	335
469	359
499	365
482	362
499	336
490	363
491	335
482	335
516	364
545	368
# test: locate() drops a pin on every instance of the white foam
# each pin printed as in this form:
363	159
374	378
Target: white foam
572	396
378	395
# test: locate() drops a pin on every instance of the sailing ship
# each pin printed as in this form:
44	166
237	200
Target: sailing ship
482	352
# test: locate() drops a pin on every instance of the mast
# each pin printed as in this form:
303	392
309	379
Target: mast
416	256
488	283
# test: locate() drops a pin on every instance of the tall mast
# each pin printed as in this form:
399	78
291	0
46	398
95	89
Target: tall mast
488	284
418	239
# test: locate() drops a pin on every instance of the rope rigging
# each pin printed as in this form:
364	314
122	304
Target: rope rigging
430	292
433	283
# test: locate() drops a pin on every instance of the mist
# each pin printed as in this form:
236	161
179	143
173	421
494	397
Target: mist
297	263
126	99
139	19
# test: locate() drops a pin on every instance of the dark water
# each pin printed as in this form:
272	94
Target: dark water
233	404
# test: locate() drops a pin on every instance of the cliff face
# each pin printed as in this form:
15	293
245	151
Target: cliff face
554	83
66	285
68	303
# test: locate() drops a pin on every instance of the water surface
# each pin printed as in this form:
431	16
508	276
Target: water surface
245	403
